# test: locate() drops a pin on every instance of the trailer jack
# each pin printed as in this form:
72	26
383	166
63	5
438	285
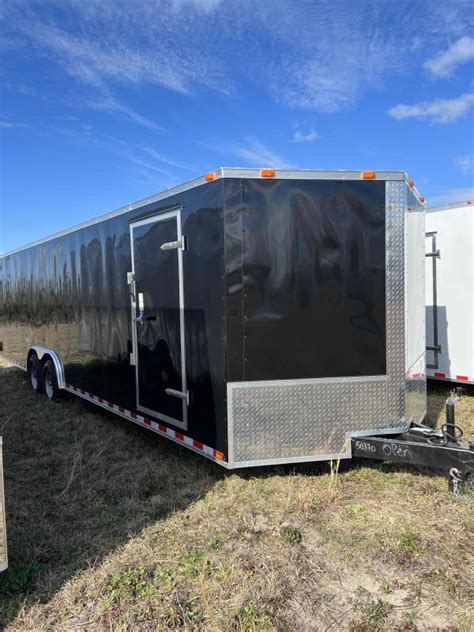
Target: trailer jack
440	450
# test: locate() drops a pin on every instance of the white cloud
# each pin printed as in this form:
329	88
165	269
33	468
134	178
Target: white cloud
437	111
167	160
257	153
465	163
253	151
305	137
451	196
445	64
204	5
109	103
8	124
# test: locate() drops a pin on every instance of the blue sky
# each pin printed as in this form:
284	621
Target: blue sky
107	101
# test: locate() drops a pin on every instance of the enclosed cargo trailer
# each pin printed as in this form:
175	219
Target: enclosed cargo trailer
450	293
255	316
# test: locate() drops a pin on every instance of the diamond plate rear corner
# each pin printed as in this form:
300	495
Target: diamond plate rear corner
300	419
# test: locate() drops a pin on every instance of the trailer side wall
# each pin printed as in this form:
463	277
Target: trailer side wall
71	294
453	228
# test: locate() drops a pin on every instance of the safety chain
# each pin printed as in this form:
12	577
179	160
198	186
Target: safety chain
459	483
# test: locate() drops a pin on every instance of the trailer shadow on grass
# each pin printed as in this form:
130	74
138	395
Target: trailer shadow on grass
78	483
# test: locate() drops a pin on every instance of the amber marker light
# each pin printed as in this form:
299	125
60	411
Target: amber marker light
210	176
368	175
267	173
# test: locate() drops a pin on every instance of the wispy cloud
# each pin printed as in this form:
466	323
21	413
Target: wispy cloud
204	5
256	153
465	164
437	111
451	196
167	160
109	103
322	55
146	161
326	55
445	64
253	151
305	137
113	43
8	124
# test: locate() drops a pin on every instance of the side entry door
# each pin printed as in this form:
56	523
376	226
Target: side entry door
156	287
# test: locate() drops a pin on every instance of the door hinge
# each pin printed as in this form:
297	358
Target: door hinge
172	245
180	394
132	360
436	254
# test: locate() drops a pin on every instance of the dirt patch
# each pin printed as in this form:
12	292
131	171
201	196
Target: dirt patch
112	528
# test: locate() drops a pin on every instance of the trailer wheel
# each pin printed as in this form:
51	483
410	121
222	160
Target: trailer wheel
50	381
35	374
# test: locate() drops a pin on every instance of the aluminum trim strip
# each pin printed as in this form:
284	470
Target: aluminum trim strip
309	174
311	380
446	207
149	424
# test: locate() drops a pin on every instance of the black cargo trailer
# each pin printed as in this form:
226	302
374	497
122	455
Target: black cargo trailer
255	316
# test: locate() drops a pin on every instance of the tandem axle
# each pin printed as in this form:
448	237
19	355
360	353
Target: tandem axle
421	445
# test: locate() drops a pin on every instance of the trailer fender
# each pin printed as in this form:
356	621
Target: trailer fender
43	354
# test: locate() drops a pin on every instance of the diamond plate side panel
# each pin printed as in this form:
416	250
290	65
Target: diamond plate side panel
287	419
396	202
415	385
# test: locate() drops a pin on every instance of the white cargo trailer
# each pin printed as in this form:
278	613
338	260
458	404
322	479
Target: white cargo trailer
450	292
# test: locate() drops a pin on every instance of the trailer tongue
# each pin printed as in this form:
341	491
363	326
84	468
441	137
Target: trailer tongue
421	445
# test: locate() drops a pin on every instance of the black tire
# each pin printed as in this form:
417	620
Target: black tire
50	381
35	373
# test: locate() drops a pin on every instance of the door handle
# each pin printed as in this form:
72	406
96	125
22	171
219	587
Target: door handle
141	309
172	245
173	393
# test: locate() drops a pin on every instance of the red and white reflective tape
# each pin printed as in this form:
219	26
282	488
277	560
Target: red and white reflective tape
157	427
458	378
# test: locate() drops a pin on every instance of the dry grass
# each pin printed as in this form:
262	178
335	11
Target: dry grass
112	528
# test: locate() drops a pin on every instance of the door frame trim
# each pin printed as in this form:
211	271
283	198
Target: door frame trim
153	219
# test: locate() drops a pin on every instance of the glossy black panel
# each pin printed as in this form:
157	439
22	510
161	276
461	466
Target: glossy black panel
158	317
233	263
313	278
71	294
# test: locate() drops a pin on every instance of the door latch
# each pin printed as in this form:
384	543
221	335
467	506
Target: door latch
172	245
132	286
